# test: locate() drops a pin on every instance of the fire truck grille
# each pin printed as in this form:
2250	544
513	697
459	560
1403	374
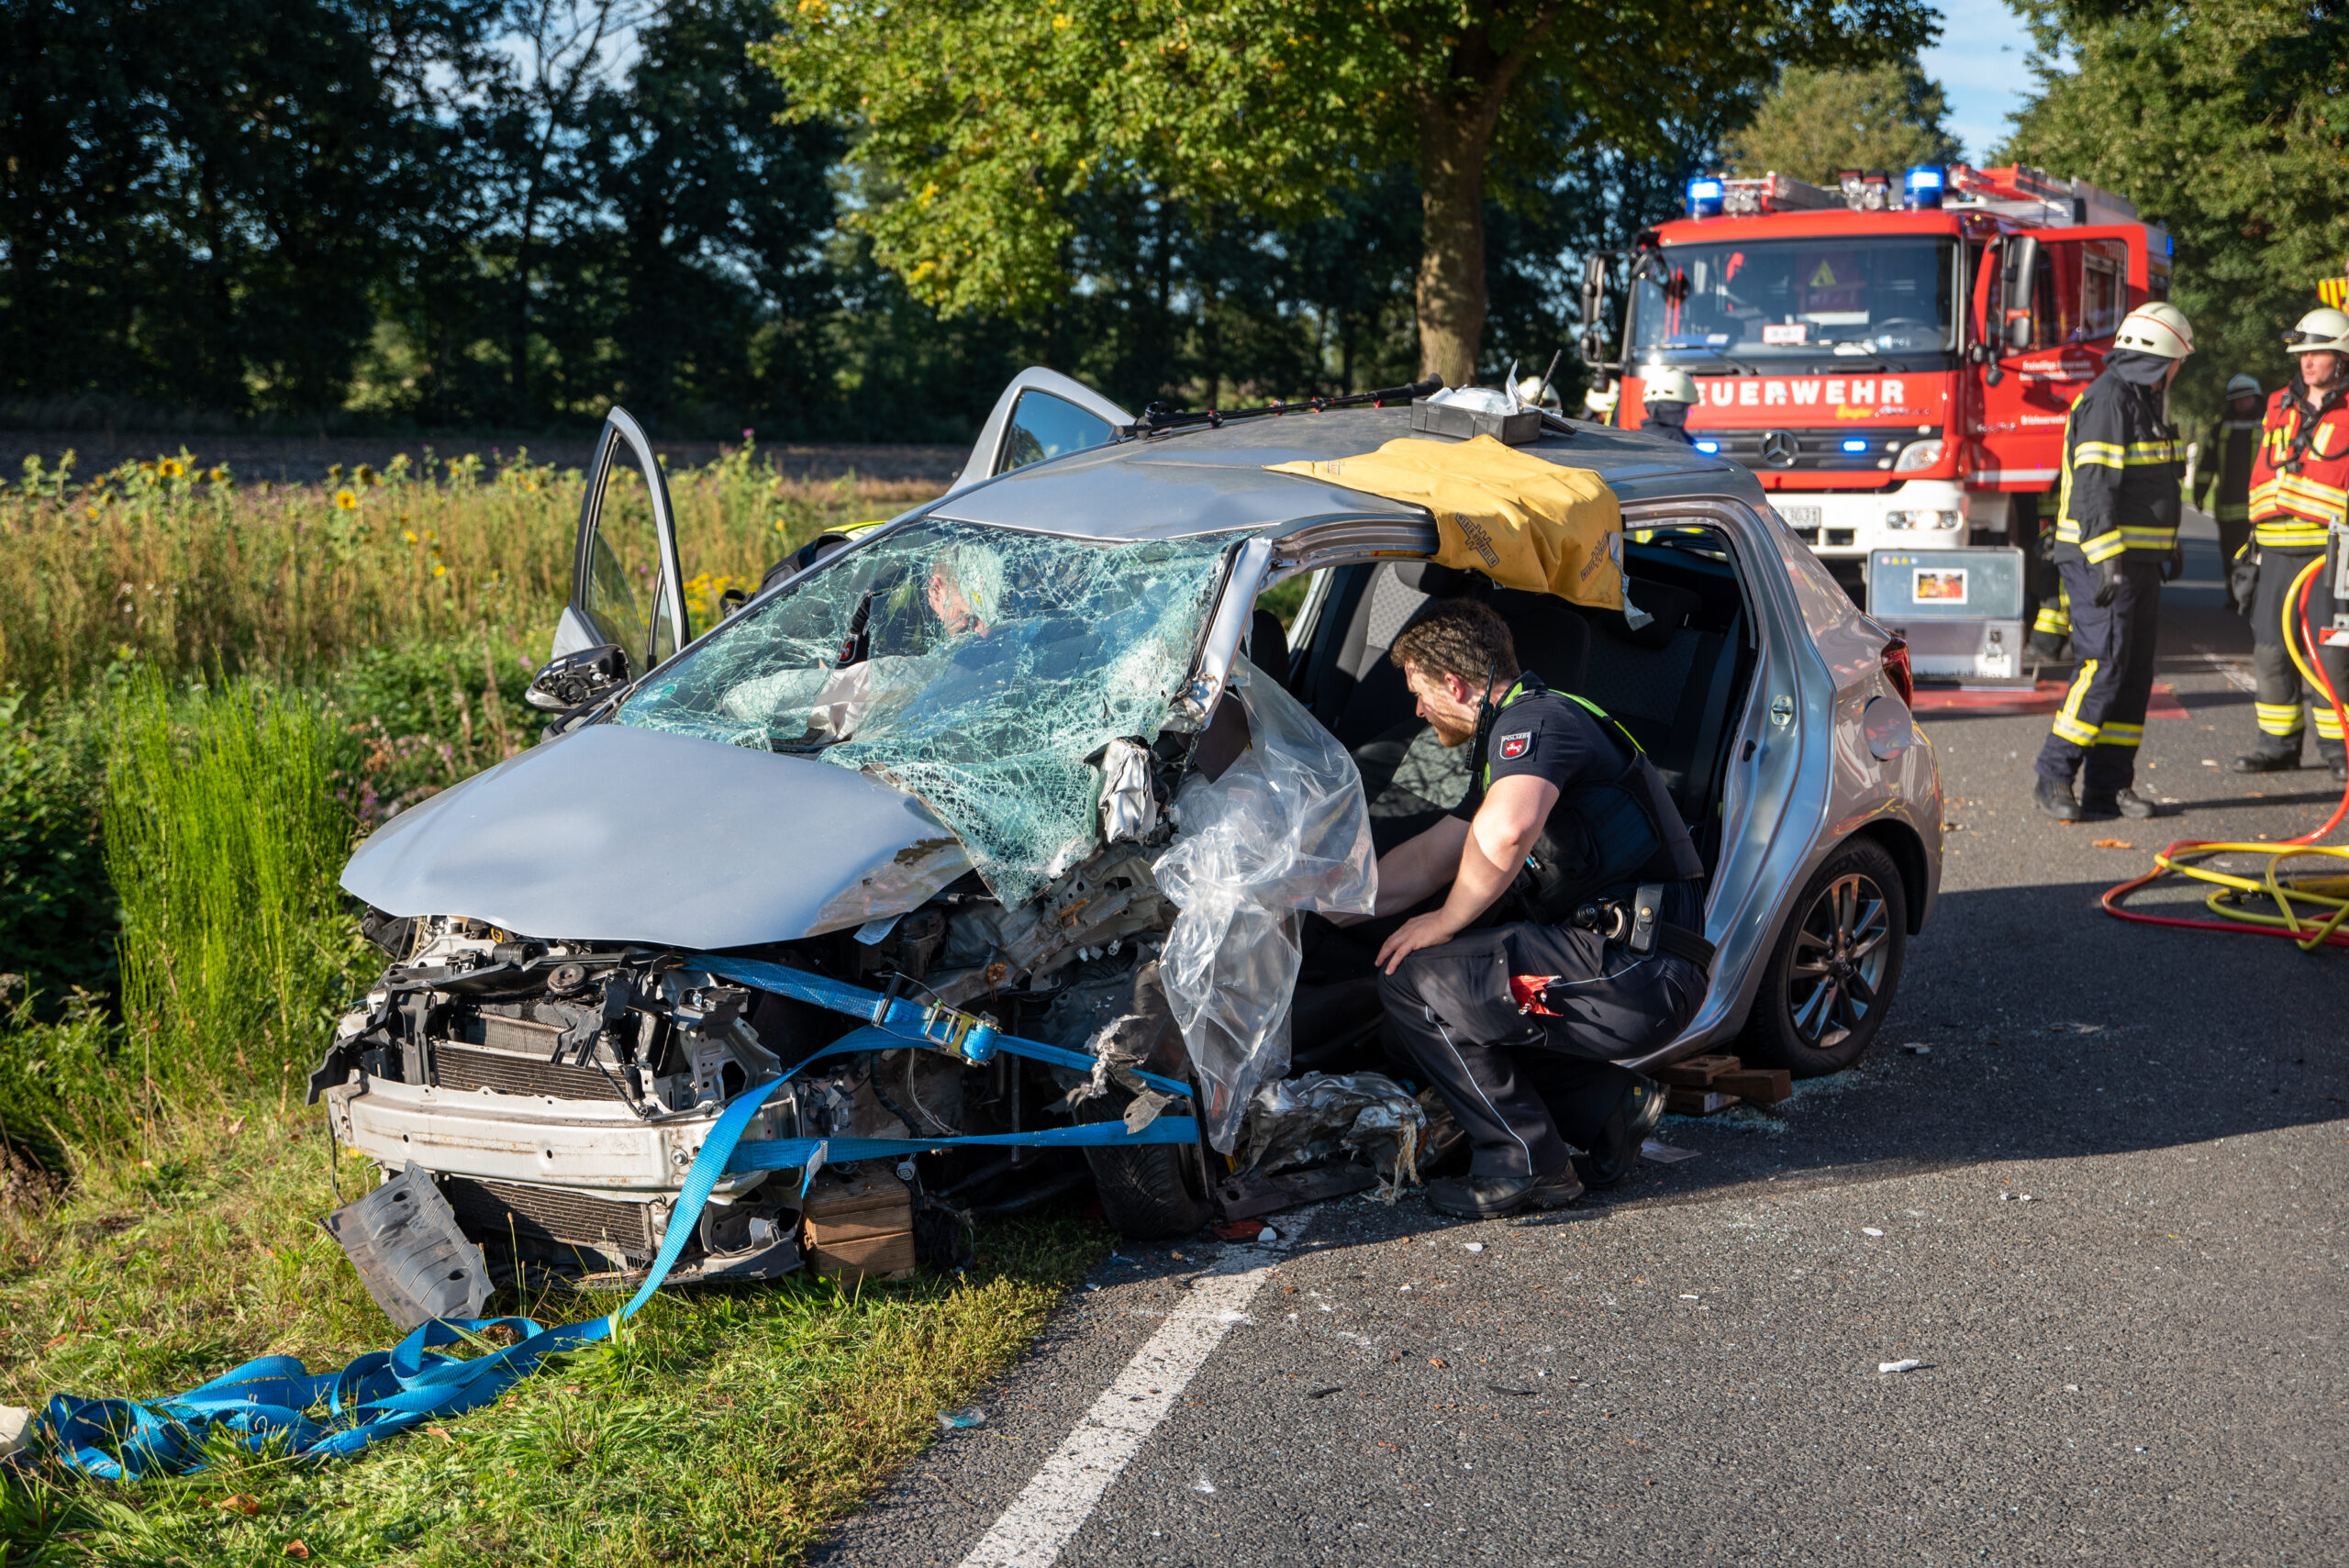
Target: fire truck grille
544	1219
1820	451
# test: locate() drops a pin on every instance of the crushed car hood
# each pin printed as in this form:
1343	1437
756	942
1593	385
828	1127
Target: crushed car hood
616	834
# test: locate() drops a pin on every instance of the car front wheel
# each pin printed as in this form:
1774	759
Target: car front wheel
1830	979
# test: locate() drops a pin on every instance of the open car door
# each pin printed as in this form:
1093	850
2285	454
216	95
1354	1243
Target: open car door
1041	415
627	588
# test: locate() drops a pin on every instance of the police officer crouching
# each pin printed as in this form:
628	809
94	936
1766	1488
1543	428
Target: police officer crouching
1568	838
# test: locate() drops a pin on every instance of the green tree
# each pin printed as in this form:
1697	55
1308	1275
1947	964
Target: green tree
1818	123
979	122
2225	120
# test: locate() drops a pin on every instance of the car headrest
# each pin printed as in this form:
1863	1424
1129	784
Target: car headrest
1670	607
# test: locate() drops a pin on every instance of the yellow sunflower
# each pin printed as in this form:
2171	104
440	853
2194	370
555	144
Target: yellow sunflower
346	500
172	468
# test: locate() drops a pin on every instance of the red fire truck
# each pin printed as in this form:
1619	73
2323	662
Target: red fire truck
1873	353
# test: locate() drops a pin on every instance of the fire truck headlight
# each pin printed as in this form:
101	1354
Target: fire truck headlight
1922	521
1917	455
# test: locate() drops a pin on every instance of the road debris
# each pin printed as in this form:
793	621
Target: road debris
957	1421
1472	1246
1917	1048
16	1430
1664	1154
2113	844
1870	1230
1203	1485
1909	1366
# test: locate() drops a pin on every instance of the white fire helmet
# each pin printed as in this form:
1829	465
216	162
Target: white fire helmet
2244	386
2159	329
1664	384
2322	330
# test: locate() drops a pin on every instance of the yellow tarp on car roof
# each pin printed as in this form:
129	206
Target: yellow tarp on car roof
1522	521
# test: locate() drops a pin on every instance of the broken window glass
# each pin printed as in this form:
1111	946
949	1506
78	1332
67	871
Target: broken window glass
974	667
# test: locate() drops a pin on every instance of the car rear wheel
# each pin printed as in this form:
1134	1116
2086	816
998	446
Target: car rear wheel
1150	1192
1831	978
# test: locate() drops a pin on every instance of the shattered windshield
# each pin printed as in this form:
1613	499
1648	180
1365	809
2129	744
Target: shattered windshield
977	668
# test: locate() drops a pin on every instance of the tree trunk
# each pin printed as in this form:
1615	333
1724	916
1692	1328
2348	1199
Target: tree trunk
1453	141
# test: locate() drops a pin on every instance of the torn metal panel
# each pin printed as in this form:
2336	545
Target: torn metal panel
1316	1116
975	668
404	1241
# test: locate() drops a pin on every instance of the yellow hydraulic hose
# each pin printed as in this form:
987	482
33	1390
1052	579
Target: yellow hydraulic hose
2308	909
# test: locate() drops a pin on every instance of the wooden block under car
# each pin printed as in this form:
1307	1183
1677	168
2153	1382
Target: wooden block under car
1698	1071
1697	1102
1763	1086
889	1257
860	1225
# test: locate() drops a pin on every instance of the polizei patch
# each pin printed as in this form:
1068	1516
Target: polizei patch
1517	745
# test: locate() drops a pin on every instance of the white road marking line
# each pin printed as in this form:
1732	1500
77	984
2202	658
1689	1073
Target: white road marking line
1053	1506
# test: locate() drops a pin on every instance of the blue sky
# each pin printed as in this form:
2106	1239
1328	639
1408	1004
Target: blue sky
1979	63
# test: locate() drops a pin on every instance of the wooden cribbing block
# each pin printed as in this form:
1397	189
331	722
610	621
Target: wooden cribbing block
1697	1102
1698	1071
1763	1086
861	1225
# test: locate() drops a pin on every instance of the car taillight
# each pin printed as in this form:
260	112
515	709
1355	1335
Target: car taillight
1896	670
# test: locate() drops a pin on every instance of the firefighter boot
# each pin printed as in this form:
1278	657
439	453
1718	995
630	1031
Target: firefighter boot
2120	803
2269	756
1491	1197
2054	798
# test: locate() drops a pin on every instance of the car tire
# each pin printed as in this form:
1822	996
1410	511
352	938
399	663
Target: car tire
1830	979
1149	1192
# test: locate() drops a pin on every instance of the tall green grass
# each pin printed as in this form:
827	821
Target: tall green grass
224	834
179	566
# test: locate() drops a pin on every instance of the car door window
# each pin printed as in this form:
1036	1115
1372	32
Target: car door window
1045	426
627	588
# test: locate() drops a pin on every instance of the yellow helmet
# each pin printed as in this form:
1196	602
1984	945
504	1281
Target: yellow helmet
2324	331
2159	328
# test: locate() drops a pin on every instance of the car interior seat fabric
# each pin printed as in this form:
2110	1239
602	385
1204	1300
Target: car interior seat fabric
1268	645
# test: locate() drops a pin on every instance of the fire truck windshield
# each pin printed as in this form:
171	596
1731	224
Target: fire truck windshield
1780	301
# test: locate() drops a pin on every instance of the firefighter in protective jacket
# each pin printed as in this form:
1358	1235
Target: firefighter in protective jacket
2299	486
2225	479
2116	544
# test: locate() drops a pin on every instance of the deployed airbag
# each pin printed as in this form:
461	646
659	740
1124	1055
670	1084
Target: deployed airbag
1522	521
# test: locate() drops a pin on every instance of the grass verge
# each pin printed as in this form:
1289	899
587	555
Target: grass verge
724	1425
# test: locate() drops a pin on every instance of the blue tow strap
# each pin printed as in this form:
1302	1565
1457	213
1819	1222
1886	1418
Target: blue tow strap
270	1398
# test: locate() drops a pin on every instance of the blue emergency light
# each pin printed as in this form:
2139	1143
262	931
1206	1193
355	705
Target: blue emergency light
1923	187
1710	449
1706	195
1855	444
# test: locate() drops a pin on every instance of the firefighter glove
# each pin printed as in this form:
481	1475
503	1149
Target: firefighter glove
2174	563
2107	581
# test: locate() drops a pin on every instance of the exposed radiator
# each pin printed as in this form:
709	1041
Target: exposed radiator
509	1055
540	1217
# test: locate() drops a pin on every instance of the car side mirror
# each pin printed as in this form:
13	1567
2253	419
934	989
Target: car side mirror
576	679
2019	277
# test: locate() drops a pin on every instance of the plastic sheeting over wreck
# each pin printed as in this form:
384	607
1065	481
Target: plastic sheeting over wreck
974	667
1521	520
1285	829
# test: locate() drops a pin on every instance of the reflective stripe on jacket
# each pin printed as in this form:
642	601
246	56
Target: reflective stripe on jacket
2299	477
2124	468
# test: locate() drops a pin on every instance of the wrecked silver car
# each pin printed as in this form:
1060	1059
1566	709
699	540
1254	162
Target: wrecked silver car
979	851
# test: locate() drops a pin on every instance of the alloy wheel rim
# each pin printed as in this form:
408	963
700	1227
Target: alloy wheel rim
1841	949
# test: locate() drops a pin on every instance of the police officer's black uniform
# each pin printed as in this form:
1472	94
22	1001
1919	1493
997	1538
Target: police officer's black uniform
1512	1023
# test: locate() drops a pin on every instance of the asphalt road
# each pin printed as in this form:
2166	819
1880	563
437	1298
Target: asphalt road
2104	1212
